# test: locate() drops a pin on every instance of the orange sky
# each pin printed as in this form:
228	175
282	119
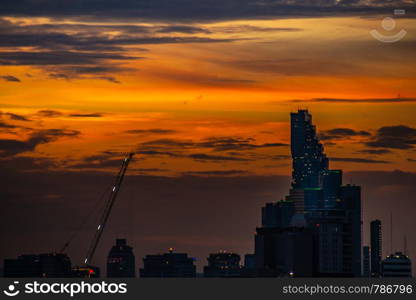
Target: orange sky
241	83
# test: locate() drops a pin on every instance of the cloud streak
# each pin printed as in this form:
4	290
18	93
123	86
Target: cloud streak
394	137
9	147
366	100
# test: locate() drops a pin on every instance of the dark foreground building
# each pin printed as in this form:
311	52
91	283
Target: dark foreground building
366	261
168	265
376	250
121	261
286	252
223	264
53	265
396	265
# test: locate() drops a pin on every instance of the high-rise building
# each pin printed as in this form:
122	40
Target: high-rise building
309	159
223	264
396	265
168	265
366	261
121	261
319	202
277	214
331	183
376	244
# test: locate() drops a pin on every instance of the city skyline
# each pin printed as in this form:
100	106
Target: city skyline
202	92
321	196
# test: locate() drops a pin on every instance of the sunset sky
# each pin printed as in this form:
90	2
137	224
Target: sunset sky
202	89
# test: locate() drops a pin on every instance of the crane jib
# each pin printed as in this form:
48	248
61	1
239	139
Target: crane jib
108	207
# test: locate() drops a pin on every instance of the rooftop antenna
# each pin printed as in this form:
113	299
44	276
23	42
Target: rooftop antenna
391	232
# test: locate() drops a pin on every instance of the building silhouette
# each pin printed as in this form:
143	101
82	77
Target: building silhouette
308	158
56	265
285	252
319	214
121	261
376	247
223	264
396	265
366	261
168	265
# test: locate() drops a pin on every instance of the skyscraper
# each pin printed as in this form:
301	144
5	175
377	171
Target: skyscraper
121	260
318	202
376	244
309	159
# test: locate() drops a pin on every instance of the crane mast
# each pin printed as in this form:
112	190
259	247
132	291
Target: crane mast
107	209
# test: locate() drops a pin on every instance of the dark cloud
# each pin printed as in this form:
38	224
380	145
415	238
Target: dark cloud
213	143
367	100
216	173
6	125
360	160
46	58
250	28
10	147
59	76
108	78
48	113
97	164
162	153
202	157
394	137
67	37
163	143
235	143
182	29
188	10
375	151
150	131
82	51
10	78
281	157
15	117
92	115
339	133
230	147
150	170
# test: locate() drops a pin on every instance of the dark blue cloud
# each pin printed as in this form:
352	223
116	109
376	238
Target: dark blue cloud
191	10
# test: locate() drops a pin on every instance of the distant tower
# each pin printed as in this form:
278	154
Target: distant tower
366	261
376	247
121	261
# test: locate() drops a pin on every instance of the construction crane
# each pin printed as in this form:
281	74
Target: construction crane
107	210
